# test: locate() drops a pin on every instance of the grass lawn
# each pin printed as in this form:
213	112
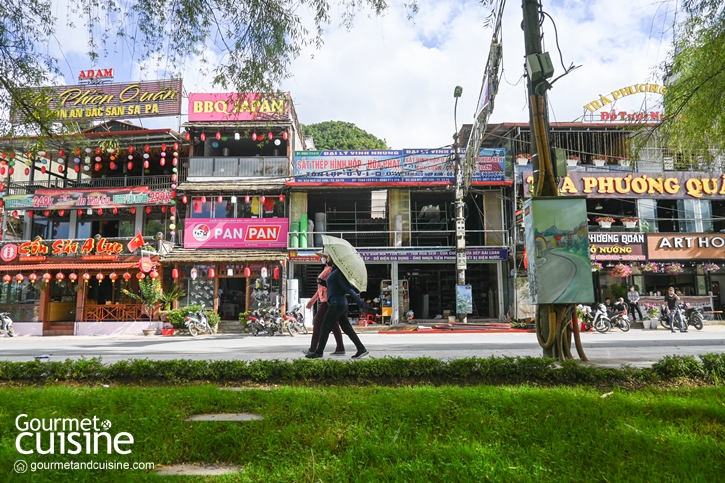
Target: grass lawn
380	434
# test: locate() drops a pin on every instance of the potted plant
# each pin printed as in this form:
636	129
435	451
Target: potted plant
599	161
597	267
649	267
621	270
605	221
674	269
149	295
572	160
167	298
629	222
710	267
624	162
653	312
523	159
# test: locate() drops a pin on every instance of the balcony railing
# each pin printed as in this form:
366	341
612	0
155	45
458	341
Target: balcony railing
415	239
238	167
29	187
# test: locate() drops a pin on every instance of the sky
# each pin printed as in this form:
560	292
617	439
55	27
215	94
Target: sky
394	77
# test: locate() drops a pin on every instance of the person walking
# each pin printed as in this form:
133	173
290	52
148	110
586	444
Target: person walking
671	299
337	306
633	299
321	296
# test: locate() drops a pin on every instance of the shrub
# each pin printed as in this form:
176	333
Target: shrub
671	367
176	316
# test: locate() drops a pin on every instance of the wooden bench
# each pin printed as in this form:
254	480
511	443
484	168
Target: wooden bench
715	314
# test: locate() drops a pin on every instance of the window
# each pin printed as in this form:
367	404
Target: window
378	203
648	215
695	216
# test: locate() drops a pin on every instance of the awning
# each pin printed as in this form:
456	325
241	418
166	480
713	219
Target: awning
188	255
68	266
233	186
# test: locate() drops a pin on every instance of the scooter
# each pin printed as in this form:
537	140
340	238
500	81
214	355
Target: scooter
197	323
6	324
621	320
597	318
693	315
295	321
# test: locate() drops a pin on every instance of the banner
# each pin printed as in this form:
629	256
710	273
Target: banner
617	246
236	107
54	199
109	101
409	167
685	246
236	233
672	185
86	249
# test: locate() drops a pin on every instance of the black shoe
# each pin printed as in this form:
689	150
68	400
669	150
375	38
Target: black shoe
673	331
314	355
307	352
337	353
682	331
360	354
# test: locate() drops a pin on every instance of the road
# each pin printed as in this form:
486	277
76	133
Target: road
638	347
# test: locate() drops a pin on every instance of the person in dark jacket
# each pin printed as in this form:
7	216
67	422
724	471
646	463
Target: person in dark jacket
321	296
337	306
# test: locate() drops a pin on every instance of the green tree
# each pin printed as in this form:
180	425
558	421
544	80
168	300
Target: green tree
695	77
341	135
255	40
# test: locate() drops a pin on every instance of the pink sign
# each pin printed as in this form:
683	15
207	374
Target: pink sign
239	107
236	233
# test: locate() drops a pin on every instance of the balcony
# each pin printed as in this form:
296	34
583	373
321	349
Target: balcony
204	168
29	187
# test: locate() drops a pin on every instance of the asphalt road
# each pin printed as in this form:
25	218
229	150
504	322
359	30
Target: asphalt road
637	347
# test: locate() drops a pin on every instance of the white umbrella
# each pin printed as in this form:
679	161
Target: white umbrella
348	260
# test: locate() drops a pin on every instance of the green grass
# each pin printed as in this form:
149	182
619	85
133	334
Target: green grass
394	434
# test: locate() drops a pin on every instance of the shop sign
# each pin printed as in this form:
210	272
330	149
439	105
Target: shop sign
108	101
55	199
621	93
672	185
95	76
408	167
685	246
90	249
617	246
236	107
236	233
303	257
434	256
9	252
145	264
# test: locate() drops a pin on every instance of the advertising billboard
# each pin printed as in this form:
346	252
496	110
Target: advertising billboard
236	233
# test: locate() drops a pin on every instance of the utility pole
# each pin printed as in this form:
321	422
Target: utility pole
460	218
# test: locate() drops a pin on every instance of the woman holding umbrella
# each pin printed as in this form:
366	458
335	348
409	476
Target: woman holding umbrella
348	270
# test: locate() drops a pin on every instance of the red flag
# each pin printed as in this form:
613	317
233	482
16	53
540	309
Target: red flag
135	243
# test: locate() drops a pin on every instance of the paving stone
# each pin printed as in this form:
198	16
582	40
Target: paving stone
226	417
197	469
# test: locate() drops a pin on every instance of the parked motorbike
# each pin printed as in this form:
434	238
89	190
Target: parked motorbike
596	317
256	322
275	323
679	312
6	324
621	320
197	323
295	321
693	315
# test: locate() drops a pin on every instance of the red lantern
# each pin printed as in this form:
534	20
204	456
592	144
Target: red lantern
202	137
219	199
61	153
174	273
187	136
218	136
33	277
60	169
98	150
212	273
30	213
262	199
174	162
163	147
115	211
7	278
97	166
163	209
173	210
174	177
162	162
112	166
77	169
154	274
184	199
147	148
43	169
46	213
270	135
140	275
281	197
100	211
59	276
113	276
100	276
246	199
275	273
203	199
11	170
19	277
176	146
247	272
127	276
130	165
15	213
72	276
254	136
47	276
133	210
148	210
86	277
130	149
285	136
146	164
80	212
61	212
27	171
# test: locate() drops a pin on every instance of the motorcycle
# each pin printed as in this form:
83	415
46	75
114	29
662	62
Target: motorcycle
6	324
621	320
197	323
693	315
256	322
596	317
275	323
295	321
679	312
